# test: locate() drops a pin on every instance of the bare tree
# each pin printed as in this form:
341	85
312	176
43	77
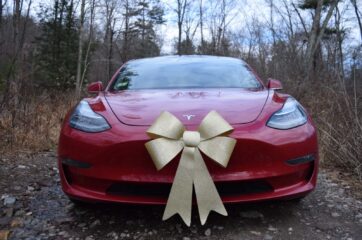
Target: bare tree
221	16
191	23
80	46
180	11
18	37
2	5
110	12
201	15
90	37
357	12
317	33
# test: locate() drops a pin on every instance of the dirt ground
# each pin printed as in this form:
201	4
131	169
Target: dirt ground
33	206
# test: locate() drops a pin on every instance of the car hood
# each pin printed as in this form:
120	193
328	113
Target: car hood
142	107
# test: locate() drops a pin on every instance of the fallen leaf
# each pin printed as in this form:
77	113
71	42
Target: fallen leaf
4	234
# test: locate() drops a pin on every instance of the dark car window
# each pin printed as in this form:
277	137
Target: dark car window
185	73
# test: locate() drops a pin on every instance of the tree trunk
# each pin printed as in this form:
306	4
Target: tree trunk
125	46
90	36
179	37
1	12
179	25
80	48
181	9
354	3
313	37
340	39
201	23
110	54
316	35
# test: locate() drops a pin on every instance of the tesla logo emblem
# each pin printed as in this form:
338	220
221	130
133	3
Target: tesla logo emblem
188	116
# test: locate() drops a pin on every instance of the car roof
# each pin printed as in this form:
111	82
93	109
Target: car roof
175	59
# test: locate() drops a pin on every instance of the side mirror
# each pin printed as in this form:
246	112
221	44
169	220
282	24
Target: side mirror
95	87
274	84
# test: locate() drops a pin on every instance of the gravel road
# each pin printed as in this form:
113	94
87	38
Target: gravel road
34	207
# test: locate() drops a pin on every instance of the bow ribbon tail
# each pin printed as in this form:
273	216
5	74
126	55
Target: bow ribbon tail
180	198
208	199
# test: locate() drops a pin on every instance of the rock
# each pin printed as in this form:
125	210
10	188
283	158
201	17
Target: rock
9	201
82	225
5	221
208	232
251	215
186	238
89	238
268	237
290	229
9	212
22	166
255	233
335	214
19	213
63	234
64	220
123	235
4	234
95	223
113	235
16	223
270	228
30	188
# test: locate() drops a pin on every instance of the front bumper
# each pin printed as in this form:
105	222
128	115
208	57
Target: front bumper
120	169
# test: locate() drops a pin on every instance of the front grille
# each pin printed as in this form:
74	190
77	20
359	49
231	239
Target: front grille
244	187
234	188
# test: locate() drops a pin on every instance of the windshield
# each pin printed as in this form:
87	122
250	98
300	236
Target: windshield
183	72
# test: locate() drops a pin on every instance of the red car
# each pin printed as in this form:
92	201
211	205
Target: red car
102	154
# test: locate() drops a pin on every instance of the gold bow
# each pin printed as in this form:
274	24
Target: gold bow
170	137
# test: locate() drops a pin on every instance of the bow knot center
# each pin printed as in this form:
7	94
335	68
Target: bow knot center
191	138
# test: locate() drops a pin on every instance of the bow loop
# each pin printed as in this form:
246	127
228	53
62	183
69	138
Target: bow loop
214	125
218	149
166	125
163	150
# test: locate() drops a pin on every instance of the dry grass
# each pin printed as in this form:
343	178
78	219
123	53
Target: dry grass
35	124
335	112
341	132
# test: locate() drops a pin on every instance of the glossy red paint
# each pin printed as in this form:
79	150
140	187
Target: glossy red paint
118	155
143	107
95	87
274	84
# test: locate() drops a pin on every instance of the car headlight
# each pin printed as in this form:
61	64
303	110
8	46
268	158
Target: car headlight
291	115
85	119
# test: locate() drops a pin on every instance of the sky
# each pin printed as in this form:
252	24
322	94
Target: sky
244	10
257	9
